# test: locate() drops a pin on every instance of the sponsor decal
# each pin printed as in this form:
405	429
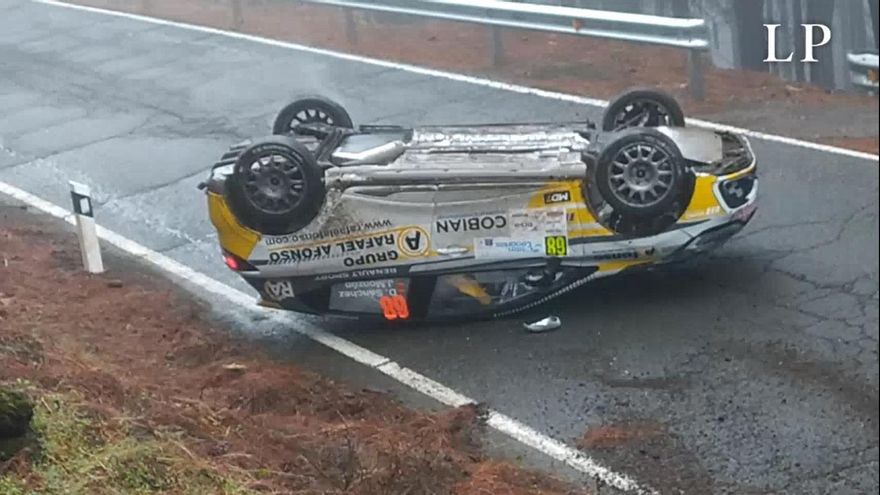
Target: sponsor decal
616	255
335	250
366	243
413	242
506	247
488	221
533	233
279	290
280	240
300	255
365	273
554	197
371	258
524	222
533	224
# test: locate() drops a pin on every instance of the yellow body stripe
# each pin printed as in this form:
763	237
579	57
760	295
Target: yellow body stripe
703	203
233	237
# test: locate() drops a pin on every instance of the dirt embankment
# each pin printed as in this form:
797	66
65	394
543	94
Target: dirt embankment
571	64
135	391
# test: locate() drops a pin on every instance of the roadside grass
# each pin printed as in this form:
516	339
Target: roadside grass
80	451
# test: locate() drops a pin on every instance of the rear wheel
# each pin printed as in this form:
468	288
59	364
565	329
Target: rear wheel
311	110
641	173
642	108
276	186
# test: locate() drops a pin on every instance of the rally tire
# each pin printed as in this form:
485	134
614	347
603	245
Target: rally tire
276	186
642	108
308	110
641	173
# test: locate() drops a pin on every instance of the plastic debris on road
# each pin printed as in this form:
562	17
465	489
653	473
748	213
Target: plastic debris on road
547	324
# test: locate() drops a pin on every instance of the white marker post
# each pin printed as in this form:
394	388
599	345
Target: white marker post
85	228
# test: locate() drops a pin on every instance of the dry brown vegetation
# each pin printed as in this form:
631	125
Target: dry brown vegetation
136	391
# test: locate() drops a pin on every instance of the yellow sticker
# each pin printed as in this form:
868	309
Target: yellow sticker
556	245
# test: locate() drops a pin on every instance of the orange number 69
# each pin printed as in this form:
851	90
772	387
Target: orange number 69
394	307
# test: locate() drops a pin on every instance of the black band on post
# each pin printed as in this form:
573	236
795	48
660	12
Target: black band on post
82	205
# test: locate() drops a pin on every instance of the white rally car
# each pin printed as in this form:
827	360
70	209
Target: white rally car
471	221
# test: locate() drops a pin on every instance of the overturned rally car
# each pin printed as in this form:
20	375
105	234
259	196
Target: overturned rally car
442	222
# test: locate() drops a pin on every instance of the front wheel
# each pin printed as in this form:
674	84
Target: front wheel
641	173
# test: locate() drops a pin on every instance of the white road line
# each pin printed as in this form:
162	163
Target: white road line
461	78
193	279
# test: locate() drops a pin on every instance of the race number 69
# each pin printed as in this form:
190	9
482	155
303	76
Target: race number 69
394	307
556	245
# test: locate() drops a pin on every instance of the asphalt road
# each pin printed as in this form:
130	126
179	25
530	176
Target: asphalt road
755	371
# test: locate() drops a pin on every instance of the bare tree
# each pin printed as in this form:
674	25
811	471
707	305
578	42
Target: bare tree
873	5
749	18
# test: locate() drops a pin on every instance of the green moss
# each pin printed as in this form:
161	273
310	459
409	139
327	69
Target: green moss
10	486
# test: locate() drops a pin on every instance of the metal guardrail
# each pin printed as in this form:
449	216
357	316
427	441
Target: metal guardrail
863	70
688	34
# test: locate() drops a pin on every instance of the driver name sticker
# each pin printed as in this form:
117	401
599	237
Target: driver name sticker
380	296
